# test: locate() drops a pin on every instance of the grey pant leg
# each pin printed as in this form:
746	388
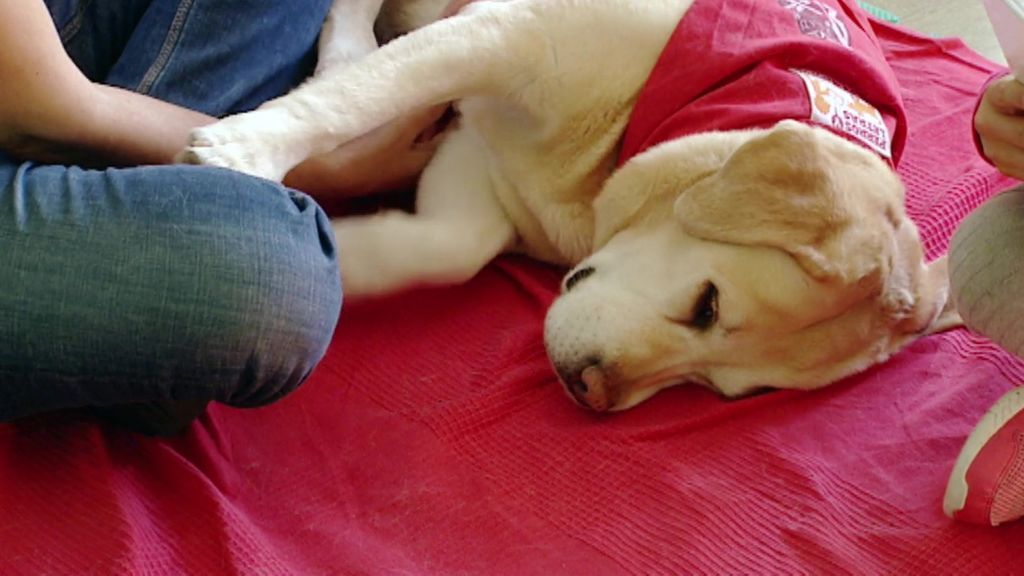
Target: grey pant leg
986	263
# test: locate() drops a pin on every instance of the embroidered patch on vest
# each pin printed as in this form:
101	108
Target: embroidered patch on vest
818	20
846	112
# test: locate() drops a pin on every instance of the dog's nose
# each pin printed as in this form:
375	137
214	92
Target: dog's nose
589	387
578	276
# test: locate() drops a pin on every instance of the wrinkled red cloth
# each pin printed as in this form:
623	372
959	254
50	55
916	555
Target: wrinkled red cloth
434	439
737	64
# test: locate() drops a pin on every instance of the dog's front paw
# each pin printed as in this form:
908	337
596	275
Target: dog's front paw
375	255
254	143
359	259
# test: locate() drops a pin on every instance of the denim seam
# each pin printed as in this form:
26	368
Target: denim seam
170	43
68	31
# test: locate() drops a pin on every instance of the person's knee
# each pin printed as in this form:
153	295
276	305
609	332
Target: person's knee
276	298
164	283
293	322
986	261
294	302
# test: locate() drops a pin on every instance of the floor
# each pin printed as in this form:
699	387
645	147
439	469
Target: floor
963	18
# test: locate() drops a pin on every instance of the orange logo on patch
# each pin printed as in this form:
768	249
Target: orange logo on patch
821	96
839	109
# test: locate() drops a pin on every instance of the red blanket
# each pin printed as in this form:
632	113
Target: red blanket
435	440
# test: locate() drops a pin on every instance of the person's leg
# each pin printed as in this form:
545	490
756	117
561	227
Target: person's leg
220	57
216	57
95	32
172	283
212	56
986	261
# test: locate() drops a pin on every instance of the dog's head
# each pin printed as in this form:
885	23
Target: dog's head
780	258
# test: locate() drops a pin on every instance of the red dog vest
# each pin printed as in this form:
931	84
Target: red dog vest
735	64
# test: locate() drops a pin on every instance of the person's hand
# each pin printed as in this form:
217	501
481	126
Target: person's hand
386	159
454	6
999	123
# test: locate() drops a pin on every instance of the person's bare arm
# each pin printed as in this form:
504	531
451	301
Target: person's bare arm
50	112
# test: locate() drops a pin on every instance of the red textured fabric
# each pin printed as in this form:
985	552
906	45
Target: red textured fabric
756	61
435	440
1008	500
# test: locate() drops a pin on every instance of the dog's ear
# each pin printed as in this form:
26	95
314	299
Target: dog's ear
837	209
792	190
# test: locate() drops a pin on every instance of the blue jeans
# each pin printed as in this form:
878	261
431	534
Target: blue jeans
166	283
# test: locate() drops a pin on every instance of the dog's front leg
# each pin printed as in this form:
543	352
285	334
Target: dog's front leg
459	226
347	34
487	51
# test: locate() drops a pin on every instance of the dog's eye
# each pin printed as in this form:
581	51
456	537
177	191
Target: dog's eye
705	312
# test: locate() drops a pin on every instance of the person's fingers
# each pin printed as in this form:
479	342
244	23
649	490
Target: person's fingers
414	162
453	7
396	136
421	121
403	170
1007	158
404	132
994	125
1006	94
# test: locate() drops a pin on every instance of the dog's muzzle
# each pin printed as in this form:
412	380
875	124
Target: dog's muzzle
588	385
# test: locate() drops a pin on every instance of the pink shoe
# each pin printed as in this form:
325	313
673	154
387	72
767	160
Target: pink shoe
987	482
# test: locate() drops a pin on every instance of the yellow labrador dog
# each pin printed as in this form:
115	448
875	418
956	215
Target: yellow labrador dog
776	255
